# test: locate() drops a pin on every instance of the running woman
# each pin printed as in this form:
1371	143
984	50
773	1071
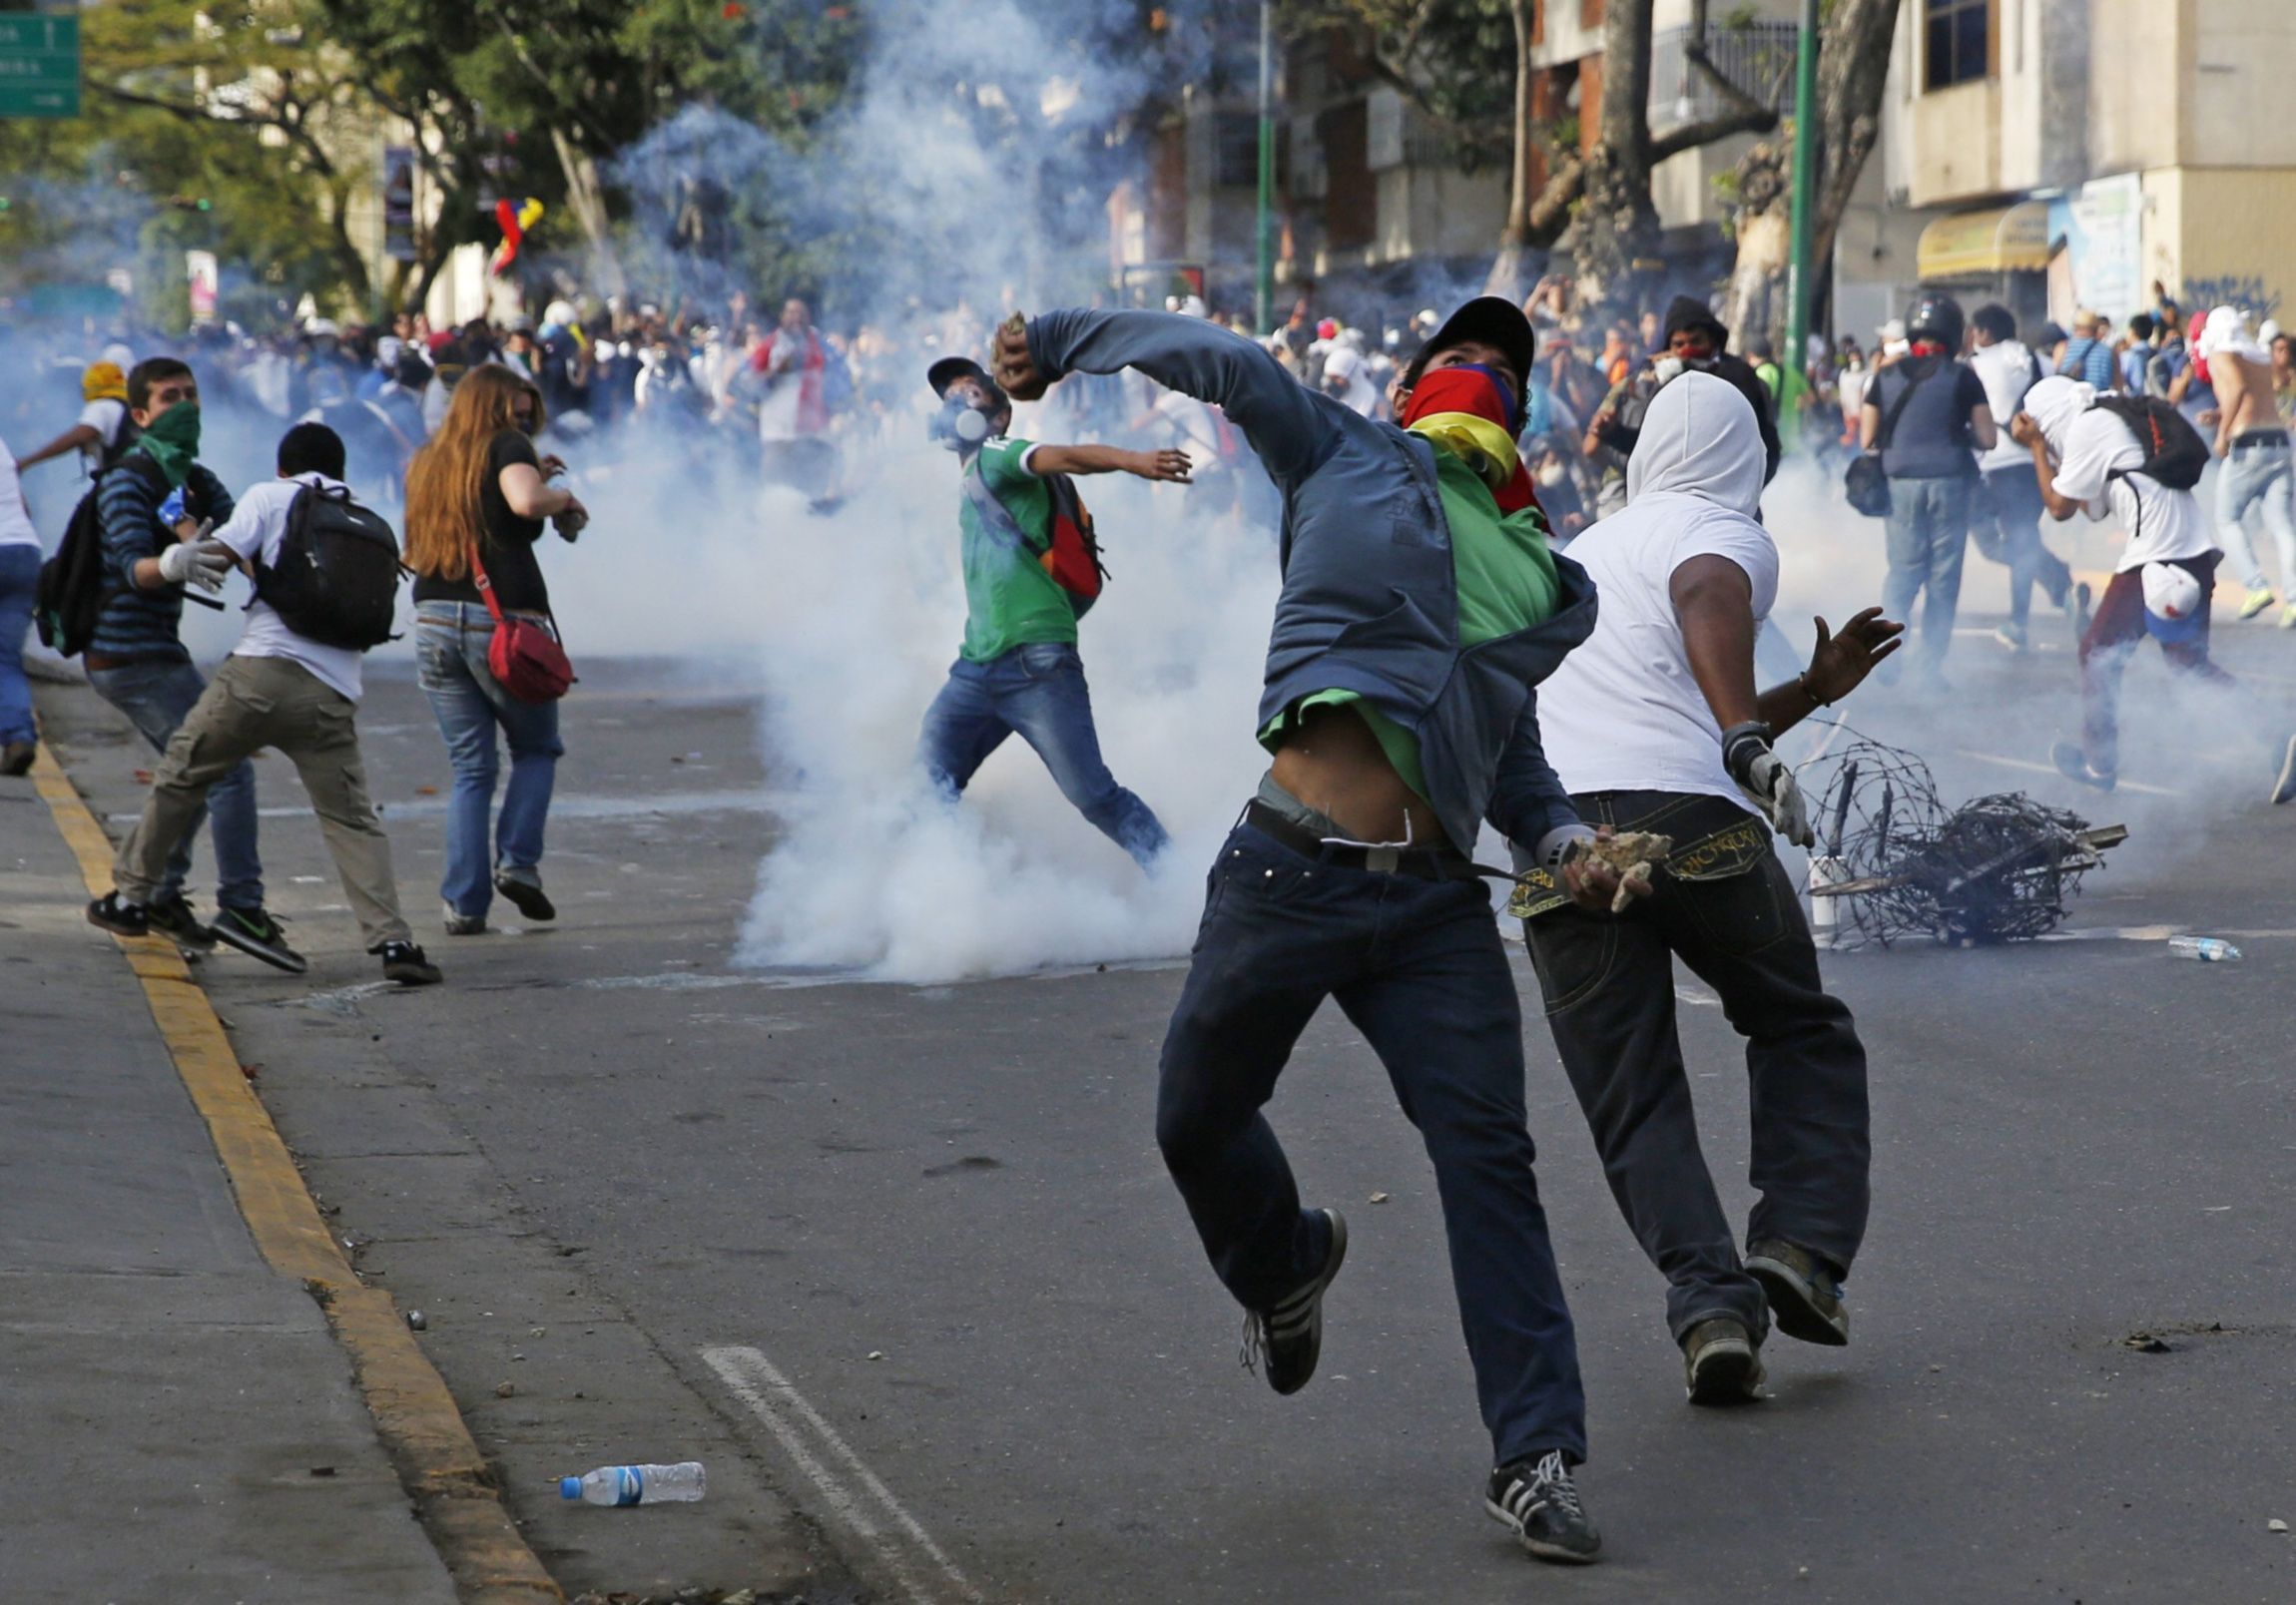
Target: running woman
1420	607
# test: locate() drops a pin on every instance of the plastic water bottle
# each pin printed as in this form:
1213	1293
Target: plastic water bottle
636	1485
2207	949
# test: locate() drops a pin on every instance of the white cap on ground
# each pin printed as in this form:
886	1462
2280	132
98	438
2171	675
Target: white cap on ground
2170	592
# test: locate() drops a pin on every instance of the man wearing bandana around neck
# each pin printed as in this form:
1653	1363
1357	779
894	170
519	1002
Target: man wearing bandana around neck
152	505
1421	606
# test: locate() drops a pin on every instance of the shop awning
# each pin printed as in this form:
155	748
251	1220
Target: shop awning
1999	240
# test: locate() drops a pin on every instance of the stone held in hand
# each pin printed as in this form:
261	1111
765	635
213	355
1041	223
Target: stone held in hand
1635	854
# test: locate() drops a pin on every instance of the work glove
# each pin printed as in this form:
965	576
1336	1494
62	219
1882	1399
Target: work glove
1765	778
199	563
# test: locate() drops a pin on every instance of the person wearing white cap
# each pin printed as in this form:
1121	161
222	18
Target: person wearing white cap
2086	455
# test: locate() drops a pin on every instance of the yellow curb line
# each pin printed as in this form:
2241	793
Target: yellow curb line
438	1463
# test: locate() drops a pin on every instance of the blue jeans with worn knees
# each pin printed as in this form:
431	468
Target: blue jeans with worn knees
450	642
2258	474
19	588
1418	967
156	697
1928	530
1039	692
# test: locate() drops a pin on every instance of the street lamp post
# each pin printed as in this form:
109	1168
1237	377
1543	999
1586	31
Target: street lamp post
1798	265
1263	219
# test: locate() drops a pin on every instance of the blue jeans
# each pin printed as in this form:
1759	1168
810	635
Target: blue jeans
2258	472
1038	691
19	584
1927	529
450	642
1418	967
156	697
2007	530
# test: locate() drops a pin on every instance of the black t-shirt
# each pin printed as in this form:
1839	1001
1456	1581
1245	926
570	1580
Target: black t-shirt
1932	439
508	552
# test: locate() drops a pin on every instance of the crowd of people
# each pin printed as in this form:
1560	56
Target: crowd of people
1452	496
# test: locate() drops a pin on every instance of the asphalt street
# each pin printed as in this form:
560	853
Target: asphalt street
902	1265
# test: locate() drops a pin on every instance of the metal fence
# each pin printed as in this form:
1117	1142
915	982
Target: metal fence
1758	58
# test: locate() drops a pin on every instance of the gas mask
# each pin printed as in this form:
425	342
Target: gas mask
959	426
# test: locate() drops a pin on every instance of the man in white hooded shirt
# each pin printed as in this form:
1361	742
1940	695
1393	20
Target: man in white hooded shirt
2258	469
1654	724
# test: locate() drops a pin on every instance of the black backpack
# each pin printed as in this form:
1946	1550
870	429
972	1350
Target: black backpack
2174	453
336	578
72	591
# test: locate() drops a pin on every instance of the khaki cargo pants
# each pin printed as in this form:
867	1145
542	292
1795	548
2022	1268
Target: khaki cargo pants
253	703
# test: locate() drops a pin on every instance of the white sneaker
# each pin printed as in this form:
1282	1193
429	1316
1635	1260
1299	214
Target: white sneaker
464	924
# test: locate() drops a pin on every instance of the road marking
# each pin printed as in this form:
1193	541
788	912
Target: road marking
759	1384
2050	769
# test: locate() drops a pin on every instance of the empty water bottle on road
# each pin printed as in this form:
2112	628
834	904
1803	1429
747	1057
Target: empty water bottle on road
636	1485
2207	949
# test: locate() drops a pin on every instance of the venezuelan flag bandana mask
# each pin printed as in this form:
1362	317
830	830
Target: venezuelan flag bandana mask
1467	411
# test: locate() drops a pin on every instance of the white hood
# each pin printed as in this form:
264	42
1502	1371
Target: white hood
2227	331
2054	402
1699	438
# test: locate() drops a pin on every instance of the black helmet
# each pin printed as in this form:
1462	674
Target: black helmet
1936	317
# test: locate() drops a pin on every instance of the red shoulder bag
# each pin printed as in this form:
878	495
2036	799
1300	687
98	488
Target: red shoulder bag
525	654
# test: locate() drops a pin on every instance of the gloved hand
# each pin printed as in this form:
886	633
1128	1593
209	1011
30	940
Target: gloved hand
199	563
1747	755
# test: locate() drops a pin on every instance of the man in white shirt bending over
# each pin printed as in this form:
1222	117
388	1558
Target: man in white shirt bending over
1654	723
2086	456
281	690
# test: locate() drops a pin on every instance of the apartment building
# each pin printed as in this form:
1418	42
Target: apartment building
2062	153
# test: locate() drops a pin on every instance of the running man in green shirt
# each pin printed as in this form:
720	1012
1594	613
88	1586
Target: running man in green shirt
1018	669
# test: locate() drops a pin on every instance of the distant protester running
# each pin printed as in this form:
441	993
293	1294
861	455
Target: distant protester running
1018	669
480	487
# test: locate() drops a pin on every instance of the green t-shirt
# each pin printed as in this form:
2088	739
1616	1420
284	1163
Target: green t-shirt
1010	601
1505	573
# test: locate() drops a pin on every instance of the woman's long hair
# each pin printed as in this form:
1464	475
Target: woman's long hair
444	480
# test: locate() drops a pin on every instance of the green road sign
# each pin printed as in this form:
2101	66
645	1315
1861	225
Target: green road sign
39	65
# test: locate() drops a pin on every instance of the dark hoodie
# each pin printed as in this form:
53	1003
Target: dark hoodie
1636	390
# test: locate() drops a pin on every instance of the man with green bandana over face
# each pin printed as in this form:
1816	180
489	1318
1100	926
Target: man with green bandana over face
136	660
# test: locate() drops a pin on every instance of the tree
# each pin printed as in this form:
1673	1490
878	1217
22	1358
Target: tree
1853	75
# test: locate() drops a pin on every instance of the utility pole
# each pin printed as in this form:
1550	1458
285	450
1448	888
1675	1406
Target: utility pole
1798	263
1263	219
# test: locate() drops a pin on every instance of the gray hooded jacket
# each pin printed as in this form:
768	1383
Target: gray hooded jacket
1370	603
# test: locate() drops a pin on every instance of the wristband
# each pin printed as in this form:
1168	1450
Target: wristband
1553	848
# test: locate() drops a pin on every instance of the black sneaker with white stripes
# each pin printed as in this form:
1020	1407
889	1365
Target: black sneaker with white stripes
1291	1336
1540	1502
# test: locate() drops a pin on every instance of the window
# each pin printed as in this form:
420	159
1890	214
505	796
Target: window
1954	45
1238	134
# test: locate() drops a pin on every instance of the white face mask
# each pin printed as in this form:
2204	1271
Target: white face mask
1668	368
1551	473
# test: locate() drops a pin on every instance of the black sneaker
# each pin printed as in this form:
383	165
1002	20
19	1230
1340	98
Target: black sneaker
1721	1363
258	935
403	962
175	920
1805	1291
1291	1336
17	758
107	912
1540	1502
524	889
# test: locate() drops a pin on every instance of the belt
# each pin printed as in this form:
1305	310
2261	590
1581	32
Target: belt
2261	437
1447	864
105	660
1731	851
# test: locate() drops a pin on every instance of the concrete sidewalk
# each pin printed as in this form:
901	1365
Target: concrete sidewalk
181	1422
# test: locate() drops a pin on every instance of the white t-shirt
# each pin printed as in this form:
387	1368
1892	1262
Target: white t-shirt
2007	370
1623	711
15	521
103	415
2163	524
256	527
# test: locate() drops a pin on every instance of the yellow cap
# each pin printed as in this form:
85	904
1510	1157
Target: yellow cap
103	381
